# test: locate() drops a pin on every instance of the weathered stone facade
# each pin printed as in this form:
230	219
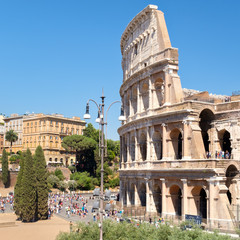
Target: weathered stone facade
180	149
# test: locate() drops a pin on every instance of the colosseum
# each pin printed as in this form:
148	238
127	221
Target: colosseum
180	148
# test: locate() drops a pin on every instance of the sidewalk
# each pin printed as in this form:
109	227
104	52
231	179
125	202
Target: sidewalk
47	230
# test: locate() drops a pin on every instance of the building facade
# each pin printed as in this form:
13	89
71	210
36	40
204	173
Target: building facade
180	148
1	133
47	131
15	123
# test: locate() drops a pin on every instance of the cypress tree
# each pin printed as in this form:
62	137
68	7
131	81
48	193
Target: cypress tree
28	188
5	172
17	189
41	184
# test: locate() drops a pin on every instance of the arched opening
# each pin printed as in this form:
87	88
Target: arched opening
176	137
134	99
132	194
143	146
158	98
132	148
206	118
229	195
176	196
125	195
157	198
145	99
203	203
157	144
231	173
142	194
225	142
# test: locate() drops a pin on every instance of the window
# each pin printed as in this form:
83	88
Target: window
72	131
61	160
56	159
56	123
50	159
56	138
50	137
61	138
62	130
136	49
77	131
51	122
35	123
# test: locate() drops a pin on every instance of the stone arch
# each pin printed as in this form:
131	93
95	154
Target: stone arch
200	199
142	194
143	146
132	194
157	145
231	173
159	97
145	93
224	137
132	148
206	117
157	197
176	138
176	199
134	99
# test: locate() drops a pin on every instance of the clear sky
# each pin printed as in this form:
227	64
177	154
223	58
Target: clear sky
56	54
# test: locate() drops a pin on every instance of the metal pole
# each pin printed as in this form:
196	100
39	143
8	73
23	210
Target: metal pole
102	170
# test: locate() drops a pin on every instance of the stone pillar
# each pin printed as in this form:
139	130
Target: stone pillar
128	147
138	98
130	103
184	198
167	92
164	193
121	149
136	195
121	192
128	203
164	141
148	143
210	202
186	145
149	196
150	95
136	145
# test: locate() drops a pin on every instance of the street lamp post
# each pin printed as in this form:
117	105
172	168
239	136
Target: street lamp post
101	121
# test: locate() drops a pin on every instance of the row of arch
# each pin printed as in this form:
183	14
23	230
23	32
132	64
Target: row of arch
176	137
198	193
175	194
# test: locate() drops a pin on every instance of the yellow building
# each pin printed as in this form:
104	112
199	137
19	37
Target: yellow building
48	132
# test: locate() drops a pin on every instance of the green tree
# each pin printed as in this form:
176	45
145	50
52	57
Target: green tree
5	172
72	185
28	198
83	179
62	185
84	147
11	137
41	184
91	132
18	190
53	181
58	172
106	176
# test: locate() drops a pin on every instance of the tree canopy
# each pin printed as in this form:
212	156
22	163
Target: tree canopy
11	137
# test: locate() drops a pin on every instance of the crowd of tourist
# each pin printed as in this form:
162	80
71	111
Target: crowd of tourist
219	155
72	205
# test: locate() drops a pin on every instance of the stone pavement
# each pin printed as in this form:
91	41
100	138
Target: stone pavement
41	230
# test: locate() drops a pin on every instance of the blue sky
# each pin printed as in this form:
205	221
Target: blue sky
55	54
